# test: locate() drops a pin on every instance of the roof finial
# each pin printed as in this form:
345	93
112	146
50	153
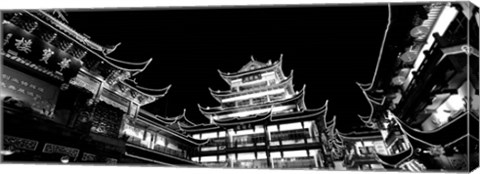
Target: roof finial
281	56
251	57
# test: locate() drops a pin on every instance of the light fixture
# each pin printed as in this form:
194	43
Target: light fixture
65	159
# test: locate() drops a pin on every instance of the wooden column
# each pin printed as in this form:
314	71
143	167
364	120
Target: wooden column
267	147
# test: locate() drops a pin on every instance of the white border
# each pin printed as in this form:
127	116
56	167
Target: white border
48	4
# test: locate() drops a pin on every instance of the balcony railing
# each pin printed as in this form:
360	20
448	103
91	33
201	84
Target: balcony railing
158	148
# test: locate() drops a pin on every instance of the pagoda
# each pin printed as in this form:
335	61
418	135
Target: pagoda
261	122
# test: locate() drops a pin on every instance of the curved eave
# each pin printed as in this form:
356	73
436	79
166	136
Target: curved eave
136	67
184	118
355	136
163	120
176	133
217	110
229	76
447	134
88	44
199	127
374	103
305	114
395	160
330	123
244	120
364	86
218	95
382	49
156	93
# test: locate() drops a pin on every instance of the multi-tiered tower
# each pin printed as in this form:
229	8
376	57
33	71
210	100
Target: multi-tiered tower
261	122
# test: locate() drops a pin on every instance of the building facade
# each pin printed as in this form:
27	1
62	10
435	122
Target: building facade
66	100
261	122
424	93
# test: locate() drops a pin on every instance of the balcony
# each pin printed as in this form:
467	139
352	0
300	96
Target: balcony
157	148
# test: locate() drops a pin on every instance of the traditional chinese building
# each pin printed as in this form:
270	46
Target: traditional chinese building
360	148
424	93
160	140
261	122
65	99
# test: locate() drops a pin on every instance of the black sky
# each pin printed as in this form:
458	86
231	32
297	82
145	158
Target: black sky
328	47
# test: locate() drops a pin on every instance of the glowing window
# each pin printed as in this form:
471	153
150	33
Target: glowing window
208	159
291	126
275	155
246	156
222	158
261	155
209	135
296	153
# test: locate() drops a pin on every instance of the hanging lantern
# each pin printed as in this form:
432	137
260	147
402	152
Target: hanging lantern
398	80
419	31
409	56
65	159
90	102
64	86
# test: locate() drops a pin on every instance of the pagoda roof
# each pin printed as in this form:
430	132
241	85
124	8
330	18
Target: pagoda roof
243	120
396	159
260	118
157	118
303	114
146	91
297	98
228	77
199	127
442	136
355	135
375	104
169	129
87	44
218	95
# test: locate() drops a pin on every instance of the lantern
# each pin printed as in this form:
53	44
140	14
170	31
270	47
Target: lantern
419	31
65	159
409	56
398	80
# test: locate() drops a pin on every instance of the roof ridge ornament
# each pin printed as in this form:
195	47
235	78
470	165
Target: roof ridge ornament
109	49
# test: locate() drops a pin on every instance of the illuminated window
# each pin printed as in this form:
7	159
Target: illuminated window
208	159
209	135
296	153
246	156
313	152
275	155
222	134
196	159
272	128
261	155
196	136
245	132
259	129
222	158
291	126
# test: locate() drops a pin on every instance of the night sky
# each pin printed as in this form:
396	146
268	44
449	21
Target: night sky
328	47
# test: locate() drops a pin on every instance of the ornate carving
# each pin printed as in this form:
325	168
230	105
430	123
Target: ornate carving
88	157
20	143
111	161
53	148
